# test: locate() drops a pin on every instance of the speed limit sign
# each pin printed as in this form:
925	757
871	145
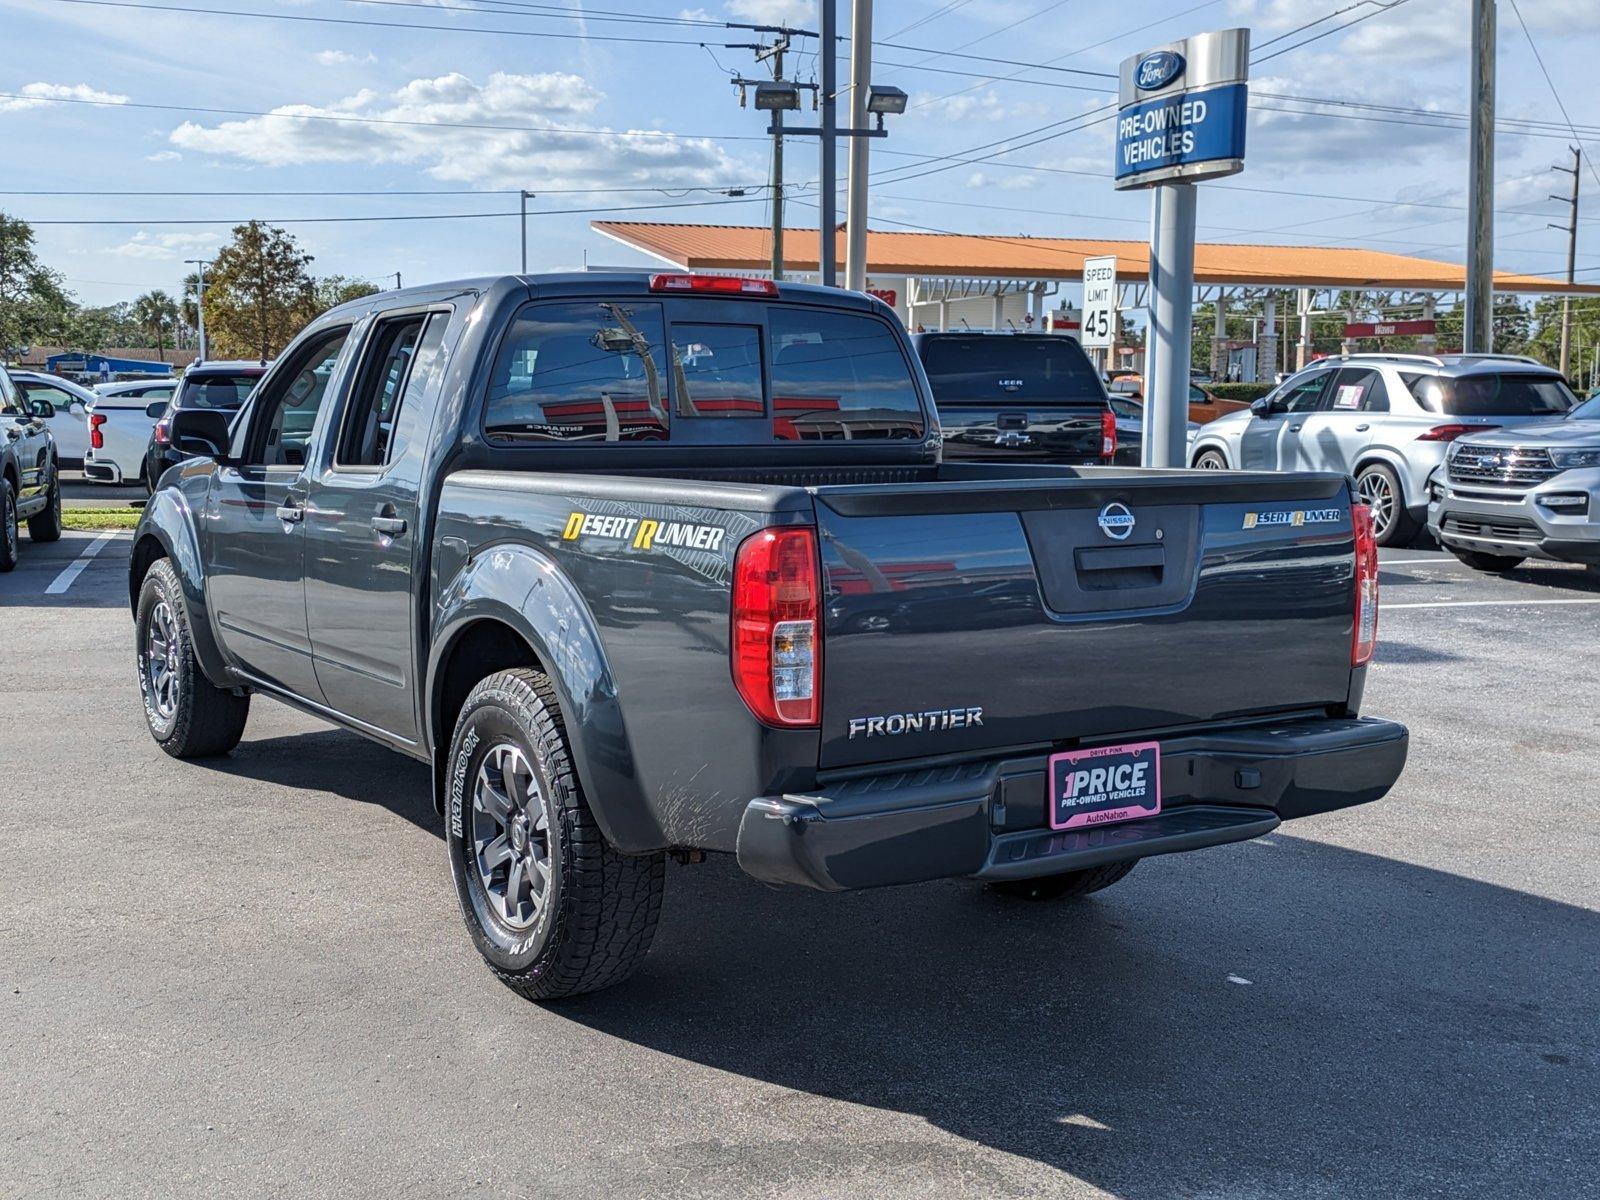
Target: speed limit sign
1099	302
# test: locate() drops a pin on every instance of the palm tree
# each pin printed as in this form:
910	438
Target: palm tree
155	311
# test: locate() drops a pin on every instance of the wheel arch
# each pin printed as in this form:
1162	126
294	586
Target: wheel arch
510	607
1202	444
1371	455
167	530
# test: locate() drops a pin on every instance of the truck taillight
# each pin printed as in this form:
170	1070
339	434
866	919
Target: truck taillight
1108	435
97	440
1364	637
776	642
163	431
1449	433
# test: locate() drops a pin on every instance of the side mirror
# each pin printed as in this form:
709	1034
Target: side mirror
1261	406
42	409
201	432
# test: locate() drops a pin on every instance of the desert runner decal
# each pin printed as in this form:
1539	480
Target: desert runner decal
644	533
1293	516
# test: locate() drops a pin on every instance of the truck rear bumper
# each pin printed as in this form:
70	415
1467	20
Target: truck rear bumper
986	819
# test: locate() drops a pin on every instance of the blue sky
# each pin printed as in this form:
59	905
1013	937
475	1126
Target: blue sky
418	93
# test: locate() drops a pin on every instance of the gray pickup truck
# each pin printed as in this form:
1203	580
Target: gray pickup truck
670	564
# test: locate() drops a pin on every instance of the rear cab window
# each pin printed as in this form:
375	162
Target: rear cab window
1013	369
217	389
699	371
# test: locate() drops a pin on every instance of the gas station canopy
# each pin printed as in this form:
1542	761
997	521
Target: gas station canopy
981	256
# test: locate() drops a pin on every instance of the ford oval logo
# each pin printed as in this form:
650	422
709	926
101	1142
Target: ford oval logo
1157	70
1115	521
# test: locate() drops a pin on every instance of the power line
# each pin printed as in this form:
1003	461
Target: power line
1317	37
1551	83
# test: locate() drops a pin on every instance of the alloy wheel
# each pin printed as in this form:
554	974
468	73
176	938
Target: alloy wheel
12	534
511	836
161	661
1374	491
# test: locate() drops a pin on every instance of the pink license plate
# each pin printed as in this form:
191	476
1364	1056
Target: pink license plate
1105	785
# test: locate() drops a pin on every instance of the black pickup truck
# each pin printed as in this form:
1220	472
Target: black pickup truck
647	565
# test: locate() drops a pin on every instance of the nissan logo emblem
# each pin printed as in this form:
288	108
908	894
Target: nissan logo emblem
1115	521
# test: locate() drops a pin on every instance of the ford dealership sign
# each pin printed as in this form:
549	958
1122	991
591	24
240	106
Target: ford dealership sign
1182	110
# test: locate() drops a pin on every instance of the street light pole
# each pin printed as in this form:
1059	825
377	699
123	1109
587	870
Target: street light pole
828	173
855	236
200	265
1478	328
525	195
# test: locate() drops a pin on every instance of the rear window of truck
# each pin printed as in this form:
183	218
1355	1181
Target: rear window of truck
617	371
217	391
1513	394
1007	369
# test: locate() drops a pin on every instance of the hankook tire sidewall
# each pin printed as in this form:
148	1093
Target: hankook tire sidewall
481	728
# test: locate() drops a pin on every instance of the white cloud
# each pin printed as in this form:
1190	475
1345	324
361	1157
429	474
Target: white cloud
695	14
1418	30
165	246
343	58
775	12
164	156
38	95
421	123
983	105
1006	181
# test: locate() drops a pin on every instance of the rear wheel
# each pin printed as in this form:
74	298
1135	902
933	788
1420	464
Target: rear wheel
554	908
1378	487
46	527
9	537
188	715
1066	886
1494	564
1211	460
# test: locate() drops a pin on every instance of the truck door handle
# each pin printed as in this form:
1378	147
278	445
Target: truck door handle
1294	429
389	526
291	513
1362	428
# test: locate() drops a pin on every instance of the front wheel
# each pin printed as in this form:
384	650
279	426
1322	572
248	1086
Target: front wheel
1068	885
1211	460
188	715
554	908
1494	564
1378	487
46	527
9	538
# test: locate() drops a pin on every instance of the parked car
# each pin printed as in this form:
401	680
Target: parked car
1532	491
67	417
1022	397
1130	429
583	543
213	386
1203	406
30	476
1386	419
120	422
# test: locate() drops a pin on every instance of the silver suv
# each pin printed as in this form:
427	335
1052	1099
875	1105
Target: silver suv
1386	419
1528	492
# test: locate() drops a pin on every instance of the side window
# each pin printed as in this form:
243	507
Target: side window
10	402
838	377
717	370
281	430
403	360
581	372
1426	390
1358	390
1305	396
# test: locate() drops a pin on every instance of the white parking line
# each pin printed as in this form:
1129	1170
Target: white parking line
75	568
1408	562
1484	603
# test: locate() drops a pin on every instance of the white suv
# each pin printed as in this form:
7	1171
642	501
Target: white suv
1386	419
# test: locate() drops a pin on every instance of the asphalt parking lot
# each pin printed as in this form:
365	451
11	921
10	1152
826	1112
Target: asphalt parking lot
248	977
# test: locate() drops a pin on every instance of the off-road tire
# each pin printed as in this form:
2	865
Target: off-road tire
1069	885
208	720
1210	460
1494	564
601	906
46	526
8	526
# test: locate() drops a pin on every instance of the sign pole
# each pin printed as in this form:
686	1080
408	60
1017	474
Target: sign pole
1166	415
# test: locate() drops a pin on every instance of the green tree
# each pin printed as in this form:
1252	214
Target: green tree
34	304
155	313
334	290
259	293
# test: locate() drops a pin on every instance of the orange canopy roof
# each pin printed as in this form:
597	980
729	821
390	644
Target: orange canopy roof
970	255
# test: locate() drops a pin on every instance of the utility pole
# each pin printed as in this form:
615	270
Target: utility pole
774	99
397	284
1478	329
200	265
1572	254
855	229
828	172
525	197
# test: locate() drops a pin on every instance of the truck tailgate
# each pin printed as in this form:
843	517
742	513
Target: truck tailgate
971	614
